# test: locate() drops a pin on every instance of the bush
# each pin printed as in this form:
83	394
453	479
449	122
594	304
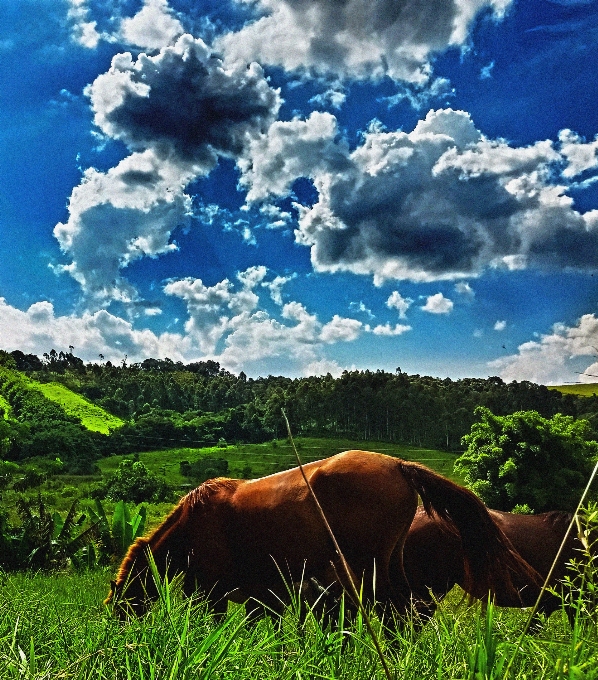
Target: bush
524	460
132	481
204	468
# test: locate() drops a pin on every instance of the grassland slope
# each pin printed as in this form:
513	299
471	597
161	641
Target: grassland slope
579	389
91	416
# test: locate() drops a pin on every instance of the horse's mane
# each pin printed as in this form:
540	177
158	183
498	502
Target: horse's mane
557	517
138	547
202	494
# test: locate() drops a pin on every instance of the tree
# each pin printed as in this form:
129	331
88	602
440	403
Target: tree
132	481
525	459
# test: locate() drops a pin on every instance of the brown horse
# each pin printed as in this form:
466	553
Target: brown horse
233	539
433	560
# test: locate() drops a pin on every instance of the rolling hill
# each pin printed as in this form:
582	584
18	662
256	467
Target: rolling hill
91	416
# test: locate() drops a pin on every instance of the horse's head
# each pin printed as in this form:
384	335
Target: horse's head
132	590
128	598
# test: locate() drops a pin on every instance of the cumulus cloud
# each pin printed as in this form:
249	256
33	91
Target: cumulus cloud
275	287
580	156
153	27
183	103
341	329
398	302
388	330
500	326
554	358
438	304
465	289
355	38
118	217
291	149
39	329
177	111
83	30
440	202
228	323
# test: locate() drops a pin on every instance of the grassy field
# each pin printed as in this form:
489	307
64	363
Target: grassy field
4	407
91	416
581	389
56	627
257	460
245	460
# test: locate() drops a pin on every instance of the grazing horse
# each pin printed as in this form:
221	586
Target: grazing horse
234	539
433	560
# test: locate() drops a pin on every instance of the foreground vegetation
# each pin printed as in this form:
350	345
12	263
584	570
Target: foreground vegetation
55	626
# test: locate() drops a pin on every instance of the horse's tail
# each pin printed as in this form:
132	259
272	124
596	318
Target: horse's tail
490	560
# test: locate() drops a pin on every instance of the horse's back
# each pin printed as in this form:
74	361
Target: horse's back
365	499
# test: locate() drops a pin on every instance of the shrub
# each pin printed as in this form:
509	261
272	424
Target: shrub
528	461
204	468
132	481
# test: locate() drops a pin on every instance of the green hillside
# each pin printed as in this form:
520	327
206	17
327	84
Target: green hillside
4	408
91	416
579	389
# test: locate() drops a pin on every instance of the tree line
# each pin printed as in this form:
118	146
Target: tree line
167	404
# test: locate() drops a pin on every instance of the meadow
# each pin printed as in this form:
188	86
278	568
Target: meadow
56	627
579	389
91	416
257	460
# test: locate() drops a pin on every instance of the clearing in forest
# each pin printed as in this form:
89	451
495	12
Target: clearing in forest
91	416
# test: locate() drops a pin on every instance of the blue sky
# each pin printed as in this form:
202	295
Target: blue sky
303	186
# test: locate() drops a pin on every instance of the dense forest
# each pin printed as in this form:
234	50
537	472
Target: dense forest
166	404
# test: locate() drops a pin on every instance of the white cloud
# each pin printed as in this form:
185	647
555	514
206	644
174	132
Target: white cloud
323	367
178	112
440	202
226	323
118	217
465	289
275	287
332	98
580	156
341	329
291	149
388	330
553	359
38	329
153	27
398	302
230	326
500	326
83	31
356	38
184	103
486	71
438	304
361	307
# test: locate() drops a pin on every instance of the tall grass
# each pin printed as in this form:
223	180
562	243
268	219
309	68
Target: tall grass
56	627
